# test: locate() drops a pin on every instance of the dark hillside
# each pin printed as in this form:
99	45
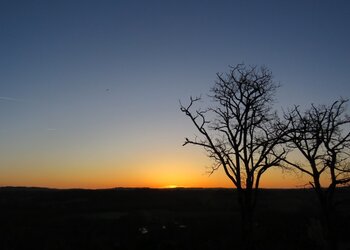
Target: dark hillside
36	218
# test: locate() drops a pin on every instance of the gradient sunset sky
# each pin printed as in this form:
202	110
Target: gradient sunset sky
90	90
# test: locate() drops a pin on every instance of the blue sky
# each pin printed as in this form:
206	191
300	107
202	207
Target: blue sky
95	85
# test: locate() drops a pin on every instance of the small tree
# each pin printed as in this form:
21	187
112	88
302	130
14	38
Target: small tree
322	136
240	133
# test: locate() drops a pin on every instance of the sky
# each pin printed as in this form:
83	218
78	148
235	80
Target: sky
90	90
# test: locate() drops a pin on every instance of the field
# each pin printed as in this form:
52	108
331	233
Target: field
36	218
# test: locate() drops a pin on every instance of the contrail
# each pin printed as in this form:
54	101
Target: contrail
9	99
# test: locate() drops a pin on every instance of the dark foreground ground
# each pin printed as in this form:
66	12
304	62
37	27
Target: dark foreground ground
32	218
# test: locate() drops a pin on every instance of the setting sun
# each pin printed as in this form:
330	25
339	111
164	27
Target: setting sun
171	186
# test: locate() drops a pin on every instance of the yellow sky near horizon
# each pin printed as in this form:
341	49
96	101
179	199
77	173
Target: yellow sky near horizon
157	163
188	169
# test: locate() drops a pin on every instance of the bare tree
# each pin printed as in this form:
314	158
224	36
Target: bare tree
321	135
240	133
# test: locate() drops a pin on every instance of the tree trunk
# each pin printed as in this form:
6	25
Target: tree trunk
247	218
327	213
329	230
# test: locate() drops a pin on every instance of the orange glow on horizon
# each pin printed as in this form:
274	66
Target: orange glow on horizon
188	169
163	179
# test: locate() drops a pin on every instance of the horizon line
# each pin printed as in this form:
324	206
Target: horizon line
145	187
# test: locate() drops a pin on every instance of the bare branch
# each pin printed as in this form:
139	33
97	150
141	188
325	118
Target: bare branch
239	131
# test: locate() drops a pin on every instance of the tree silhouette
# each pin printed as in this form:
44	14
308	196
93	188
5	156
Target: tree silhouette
321	135
240	133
